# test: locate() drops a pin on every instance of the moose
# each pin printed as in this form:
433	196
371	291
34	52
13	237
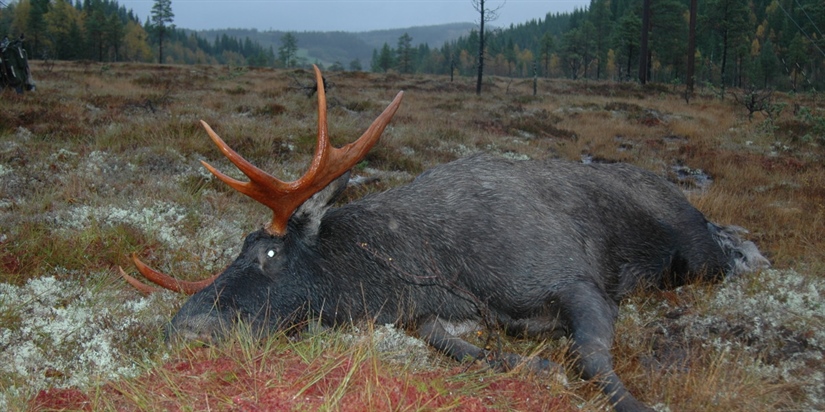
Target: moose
533	248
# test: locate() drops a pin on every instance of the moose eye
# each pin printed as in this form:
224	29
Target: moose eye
271	253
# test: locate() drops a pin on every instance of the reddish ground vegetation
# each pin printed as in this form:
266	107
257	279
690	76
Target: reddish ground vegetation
61	400
285	382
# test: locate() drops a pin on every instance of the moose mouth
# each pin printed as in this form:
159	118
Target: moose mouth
208	317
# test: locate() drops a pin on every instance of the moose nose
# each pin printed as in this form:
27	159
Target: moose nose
205	327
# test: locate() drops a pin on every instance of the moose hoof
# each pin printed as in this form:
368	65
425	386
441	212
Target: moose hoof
545	367
531	364
632	405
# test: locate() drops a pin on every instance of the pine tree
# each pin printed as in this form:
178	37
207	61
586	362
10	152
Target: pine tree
405	53
162	17
288	50
548	43
95	26
64	26
600	15
37	23
385	61
626	40
114	33
726	20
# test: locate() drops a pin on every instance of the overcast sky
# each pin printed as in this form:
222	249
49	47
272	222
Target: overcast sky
344	15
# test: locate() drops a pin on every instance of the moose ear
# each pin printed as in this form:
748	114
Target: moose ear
307	218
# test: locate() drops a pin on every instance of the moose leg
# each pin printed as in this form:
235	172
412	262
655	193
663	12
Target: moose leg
433	332
591	317
550	327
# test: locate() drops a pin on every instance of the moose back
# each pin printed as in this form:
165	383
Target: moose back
537	248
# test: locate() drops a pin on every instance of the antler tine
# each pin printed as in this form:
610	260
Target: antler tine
327	164
323	146
164	281
136	283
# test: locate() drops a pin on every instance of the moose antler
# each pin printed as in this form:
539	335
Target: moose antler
164	281
328	164
282	197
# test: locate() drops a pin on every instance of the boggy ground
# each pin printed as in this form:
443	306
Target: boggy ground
103	161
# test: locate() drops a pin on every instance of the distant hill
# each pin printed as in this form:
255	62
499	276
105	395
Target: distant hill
344	47
434	36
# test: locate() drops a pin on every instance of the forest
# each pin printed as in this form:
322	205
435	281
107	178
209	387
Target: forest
770	44
774	44
103	30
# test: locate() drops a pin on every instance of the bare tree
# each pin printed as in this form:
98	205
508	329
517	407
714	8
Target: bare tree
485	15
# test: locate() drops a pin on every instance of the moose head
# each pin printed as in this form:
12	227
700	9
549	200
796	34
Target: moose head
239	292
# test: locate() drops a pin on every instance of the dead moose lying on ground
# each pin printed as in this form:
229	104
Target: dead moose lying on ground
537	247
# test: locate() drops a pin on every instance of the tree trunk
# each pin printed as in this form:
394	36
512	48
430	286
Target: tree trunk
160	46
480	48
629	61
724	59
643	52
691	57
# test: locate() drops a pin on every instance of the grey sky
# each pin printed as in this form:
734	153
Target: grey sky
345	15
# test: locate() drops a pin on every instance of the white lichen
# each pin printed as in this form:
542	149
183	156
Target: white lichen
159	218
775	317
63	333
